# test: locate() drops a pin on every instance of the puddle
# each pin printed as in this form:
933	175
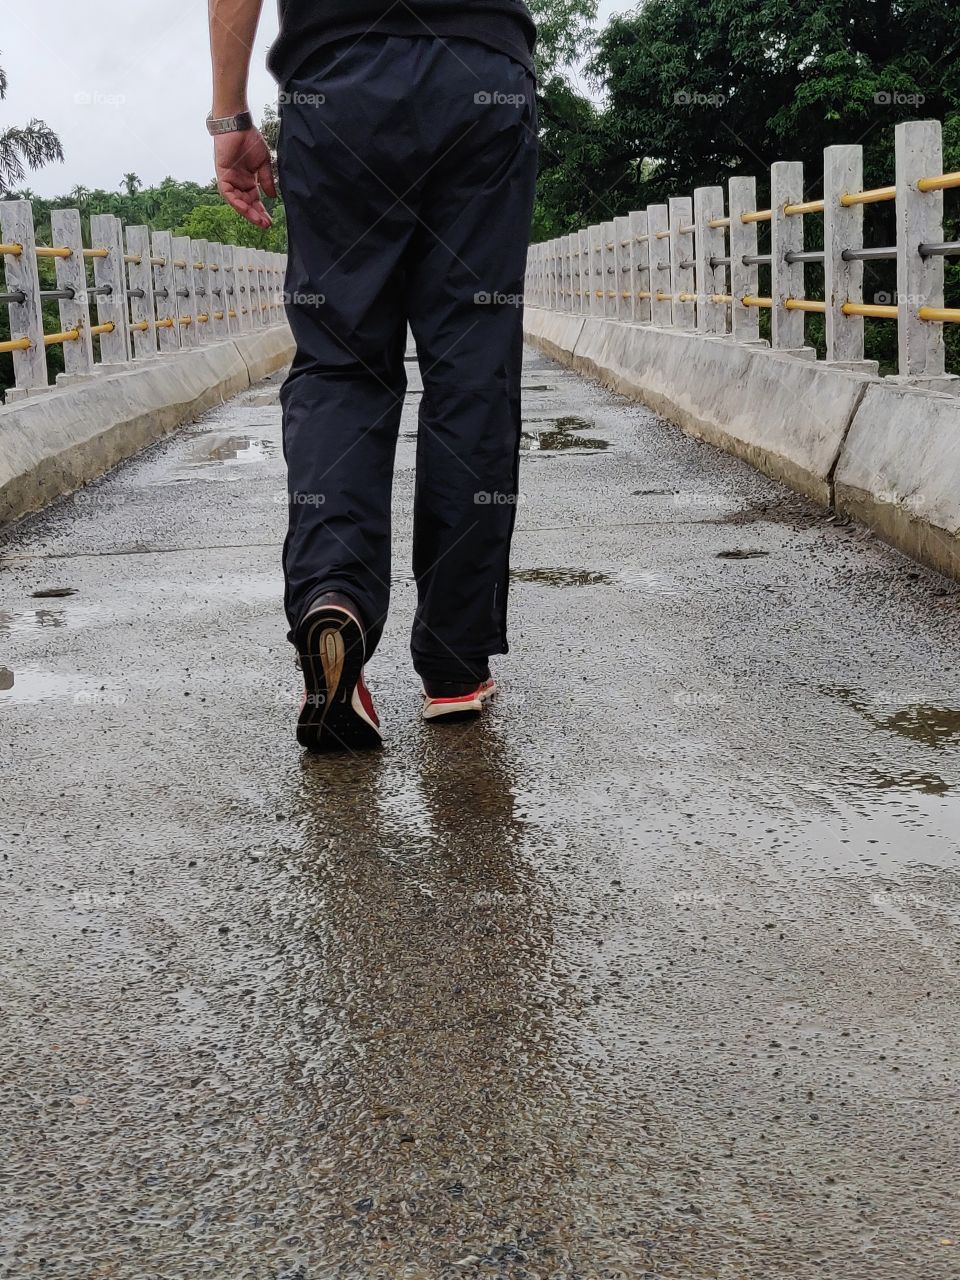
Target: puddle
644	581
234	449
560	434
562	577
53	593
741	553
538	387
41	619
923	722
31	685
926	784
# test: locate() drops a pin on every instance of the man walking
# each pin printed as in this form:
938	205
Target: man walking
407	162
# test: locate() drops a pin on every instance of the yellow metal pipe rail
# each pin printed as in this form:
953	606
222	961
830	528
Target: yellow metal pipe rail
757	215
11	250
869	309
876	196
16	344
805	304
805	206
751	301
944	181
945	315
718	222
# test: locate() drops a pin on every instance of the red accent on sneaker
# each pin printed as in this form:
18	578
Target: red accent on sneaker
367	701
466	703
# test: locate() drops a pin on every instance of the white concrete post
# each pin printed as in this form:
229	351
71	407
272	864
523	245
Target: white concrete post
623	257
640	275
682	274
744	278
218	308
786	236
661	302
140	274
573	246
842	281
551	281
253	284
230	303
711	243
919	154
597	279
583	240
26	318
66	230
263	284
278	270
111	272
165	292
608	260
201	284
185	292
563	288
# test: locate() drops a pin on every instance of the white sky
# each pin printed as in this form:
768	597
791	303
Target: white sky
125	85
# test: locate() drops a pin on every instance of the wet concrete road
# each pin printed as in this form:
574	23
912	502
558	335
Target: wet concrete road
652	974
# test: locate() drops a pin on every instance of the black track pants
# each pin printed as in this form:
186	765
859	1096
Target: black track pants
408	167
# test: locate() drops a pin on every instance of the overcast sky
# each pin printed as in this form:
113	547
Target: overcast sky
125	85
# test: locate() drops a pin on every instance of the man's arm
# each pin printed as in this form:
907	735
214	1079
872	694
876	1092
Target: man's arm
243	159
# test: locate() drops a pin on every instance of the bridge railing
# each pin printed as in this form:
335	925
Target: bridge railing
131	295
694	264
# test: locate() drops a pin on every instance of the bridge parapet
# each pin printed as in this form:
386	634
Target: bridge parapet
129	297
700	271
664	305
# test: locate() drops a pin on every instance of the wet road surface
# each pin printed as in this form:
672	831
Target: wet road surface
653	974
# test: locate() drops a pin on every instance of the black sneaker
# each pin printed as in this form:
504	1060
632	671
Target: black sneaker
337	713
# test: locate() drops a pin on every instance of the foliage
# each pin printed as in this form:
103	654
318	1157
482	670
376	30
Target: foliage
24	147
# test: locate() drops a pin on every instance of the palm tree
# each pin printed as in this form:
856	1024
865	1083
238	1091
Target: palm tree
24	147
131	183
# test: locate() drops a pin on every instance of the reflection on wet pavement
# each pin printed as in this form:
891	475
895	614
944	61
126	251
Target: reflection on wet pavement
553	435
650	975
243	449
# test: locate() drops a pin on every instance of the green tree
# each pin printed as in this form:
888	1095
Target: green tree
24	147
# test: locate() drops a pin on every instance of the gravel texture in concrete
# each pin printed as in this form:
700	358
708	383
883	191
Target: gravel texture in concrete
650	975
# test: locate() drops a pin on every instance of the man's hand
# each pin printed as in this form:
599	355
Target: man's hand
243	171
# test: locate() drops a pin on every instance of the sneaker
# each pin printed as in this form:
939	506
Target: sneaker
456	701
337	713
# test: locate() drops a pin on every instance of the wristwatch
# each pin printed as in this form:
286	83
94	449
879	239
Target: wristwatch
239	123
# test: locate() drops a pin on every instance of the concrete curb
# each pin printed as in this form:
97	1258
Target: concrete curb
786	416
59	440
884	453
900	472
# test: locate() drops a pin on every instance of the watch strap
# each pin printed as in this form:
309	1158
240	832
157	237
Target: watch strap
238	123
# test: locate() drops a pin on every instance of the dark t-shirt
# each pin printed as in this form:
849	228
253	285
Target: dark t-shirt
306	25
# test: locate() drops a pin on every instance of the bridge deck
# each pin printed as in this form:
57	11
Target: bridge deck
652	974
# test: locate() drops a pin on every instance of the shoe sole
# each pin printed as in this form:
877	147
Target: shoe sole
332	654
456	709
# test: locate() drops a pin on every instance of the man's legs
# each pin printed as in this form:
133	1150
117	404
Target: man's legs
465	272
343	397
